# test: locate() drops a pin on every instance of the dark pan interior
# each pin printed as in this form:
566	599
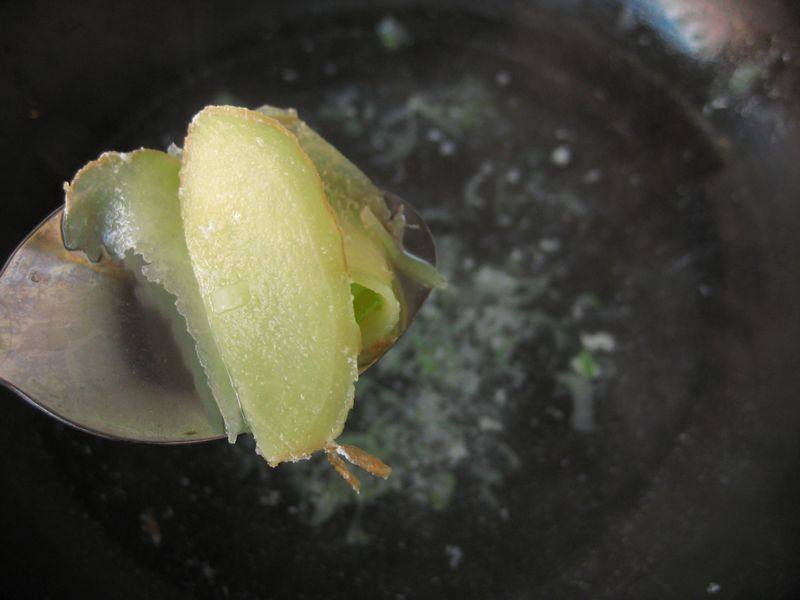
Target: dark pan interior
604	403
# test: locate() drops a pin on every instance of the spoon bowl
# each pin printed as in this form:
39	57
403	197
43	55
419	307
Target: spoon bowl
77	343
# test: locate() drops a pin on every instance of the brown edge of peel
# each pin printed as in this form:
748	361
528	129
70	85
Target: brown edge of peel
375	352
341	468
358	457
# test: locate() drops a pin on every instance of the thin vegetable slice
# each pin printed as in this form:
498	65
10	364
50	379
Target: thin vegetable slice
267	254
349	191
128	204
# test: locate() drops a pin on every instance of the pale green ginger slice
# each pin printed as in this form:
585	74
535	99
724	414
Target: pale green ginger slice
128	204
377	296
267	254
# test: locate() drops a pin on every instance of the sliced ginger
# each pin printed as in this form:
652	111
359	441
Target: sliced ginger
267	255
280	255
348	191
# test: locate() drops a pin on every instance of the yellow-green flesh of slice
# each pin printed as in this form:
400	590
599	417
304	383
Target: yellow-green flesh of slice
128	204
349	190
268	256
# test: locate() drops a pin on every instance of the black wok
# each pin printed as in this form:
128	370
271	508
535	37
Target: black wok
604	404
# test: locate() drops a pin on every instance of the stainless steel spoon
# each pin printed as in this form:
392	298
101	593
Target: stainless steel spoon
76	342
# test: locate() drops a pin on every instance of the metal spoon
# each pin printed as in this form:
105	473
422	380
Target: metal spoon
76	342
